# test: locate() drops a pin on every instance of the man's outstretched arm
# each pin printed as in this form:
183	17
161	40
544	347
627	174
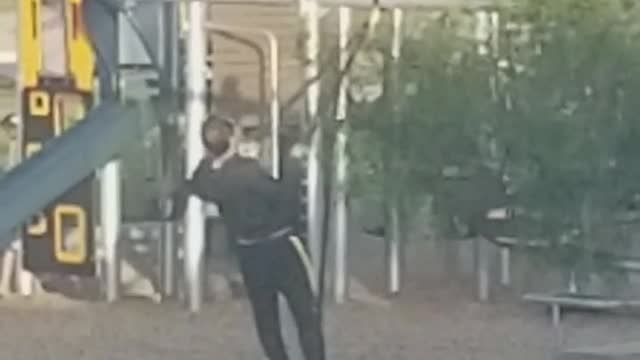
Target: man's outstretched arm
201	184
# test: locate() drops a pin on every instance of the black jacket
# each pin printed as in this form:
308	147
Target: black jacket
252	203
292	174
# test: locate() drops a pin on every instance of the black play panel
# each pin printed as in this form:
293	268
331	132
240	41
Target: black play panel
60	239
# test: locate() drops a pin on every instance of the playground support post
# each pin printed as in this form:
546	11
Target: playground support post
196	113
171	62
315	174
341	280
394	236
169	259
110	220
482	247
505	266
24	279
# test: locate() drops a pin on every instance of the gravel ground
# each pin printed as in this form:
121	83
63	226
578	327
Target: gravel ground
454	330
435	318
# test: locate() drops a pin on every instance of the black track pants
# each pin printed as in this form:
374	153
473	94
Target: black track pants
282	267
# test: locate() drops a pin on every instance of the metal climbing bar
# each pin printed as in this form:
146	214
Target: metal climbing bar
274	77
423	4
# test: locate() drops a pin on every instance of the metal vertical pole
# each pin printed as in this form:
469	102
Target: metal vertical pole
286	317
274	53
24	279
482	31
394	242
110	195
12	258
341	274
481	248
505	266
169	248
394	252
110	225
314	167
505	252
168	258
196	113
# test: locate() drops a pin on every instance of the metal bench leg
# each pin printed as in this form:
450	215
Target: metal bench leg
556	316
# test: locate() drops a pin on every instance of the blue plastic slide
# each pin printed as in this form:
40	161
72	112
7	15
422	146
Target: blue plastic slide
66	160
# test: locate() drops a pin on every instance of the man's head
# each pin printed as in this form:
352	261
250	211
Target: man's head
217	135
249	136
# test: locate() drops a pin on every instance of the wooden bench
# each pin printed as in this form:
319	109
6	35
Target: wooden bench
507	244
584	301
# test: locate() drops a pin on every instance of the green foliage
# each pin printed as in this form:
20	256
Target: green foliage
571	132
553	113
436	116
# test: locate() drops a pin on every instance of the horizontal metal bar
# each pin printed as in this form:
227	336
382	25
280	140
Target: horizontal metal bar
65	161
220	2
424	4
576	301
505	241
628	265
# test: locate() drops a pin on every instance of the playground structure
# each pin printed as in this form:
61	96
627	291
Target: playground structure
151	67
139	57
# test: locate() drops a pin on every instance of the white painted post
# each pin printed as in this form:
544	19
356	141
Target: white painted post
341	273
505	266
110	211
394	237
168	258
394	254
482	31
274	62
110	220
24	279
10	260
505	252
315	174
196	113
481	250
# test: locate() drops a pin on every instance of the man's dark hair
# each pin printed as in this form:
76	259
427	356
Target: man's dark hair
216	134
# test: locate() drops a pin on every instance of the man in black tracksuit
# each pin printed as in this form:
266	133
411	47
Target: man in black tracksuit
258	211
